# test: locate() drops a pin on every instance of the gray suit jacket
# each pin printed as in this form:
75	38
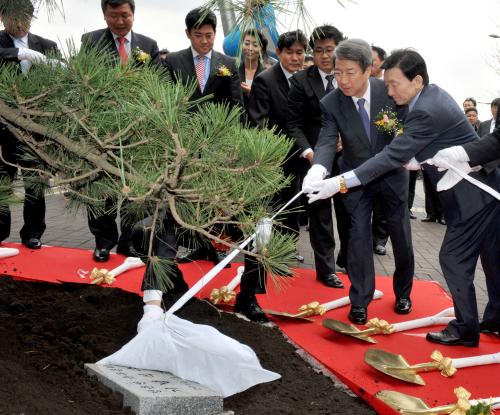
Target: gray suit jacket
435	122
340	116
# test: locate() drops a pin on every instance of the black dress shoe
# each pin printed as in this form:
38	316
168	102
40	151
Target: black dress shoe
101	255
357	315
489	329
402	305
441	221
379	250
331	281
429	219
249	307
32	243
412	215
299	257
127	250
449	339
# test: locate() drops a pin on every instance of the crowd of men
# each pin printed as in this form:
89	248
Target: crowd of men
328	110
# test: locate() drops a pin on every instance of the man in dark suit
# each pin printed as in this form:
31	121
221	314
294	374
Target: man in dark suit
120	41
435	122
216	77
216	74
268	105
20	47
307	88
487	127
347	112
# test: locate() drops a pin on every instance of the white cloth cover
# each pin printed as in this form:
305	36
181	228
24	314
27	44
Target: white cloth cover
194	352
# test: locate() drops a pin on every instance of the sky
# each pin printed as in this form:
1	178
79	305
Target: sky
451	35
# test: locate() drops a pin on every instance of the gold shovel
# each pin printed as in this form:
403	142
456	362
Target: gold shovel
376	326
314	308
396	365
411	405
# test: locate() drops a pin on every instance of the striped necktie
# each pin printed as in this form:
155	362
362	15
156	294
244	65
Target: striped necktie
200	72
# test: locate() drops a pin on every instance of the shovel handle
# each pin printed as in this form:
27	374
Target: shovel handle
449	312
7	252
237	279
340	302
421	322
129	263
485	359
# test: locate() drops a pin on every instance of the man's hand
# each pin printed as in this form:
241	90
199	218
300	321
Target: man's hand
324	189
453	155
315	174
31	55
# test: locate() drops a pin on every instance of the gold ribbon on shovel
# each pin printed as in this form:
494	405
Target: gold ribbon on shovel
100	276
222	295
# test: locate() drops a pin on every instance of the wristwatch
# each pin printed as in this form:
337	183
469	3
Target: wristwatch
343	187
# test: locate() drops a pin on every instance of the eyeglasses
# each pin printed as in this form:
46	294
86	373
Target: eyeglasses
320	51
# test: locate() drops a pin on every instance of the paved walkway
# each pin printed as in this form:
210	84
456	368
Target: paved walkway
70	229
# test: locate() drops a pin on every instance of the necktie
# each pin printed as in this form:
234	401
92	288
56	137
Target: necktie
122	51
364	116
329	85
200	71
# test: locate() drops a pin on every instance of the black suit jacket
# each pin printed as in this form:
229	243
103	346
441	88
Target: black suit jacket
340	116
102	39
8	52
484	128
268	107
304	113
434	123
224	89
241	73
486	149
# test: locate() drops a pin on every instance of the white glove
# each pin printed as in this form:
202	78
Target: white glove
152	313
413	164
324	189
25	66
31	55
315	174
451	178
451	155
54	63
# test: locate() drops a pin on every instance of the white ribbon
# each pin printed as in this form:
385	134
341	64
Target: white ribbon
470	179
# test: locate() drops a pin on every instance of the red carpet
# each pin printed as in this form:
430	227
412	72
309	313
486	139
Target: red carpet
342	355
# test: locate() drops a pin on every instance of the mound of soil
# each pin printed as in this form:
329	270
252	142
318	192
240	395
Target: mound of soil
48	332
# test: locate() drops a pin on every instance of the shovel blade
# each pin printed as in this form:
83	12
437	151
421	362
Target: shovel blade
346	329
405	404
393	365
286	315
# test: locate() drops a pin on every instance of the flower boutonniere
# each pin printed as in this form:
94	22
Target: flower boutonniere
140	56
223	70
387	121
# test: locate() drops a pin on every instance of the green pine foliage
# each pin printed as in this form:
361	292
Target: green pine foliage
100	130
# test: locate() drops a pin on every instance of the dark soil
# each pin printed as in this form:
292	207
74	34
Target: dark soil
48	332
